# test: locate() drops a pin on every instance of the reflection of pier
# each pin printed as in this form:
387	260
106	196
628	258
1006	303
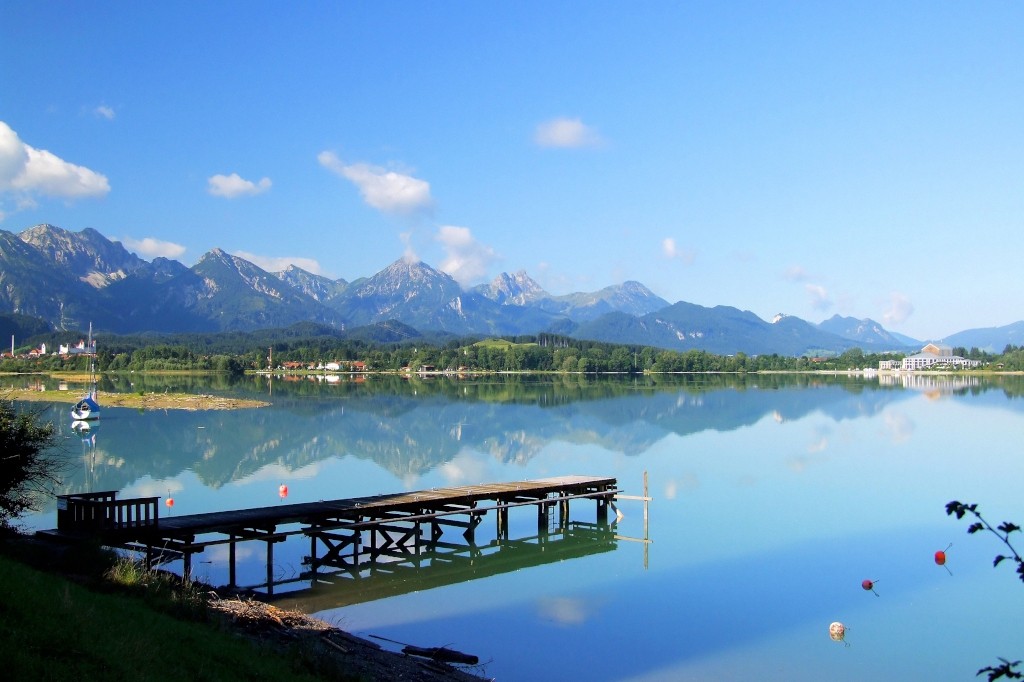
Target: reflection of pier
368	577
351	532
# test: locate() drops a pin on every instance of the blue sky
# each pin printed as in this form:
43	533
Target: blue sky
810	158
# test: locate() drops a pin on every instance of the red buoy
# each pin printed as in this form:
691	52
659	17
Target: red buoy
869	586
169	502
283	491
940	558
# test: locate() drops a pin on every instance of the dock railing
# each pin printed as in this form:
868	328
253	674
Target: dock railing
103	511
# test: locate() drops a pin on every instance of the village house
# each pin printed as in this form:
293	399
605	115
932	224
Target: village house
344	365
78	349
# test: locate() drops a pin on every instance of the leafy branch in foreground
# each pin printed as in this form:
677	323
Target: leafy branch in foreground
1002	531
29	468
1006	668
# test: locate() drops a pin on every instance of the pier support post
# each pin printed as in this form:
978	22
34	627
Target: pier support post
502	521
542	518
232	579
270	567
312	553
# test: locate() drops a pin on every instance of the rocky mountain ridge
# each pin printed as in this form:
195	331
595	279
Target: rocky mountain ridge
70	279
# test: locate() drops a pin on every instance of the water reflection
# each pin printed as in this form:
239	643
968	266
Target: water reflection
410	426
775	496
366	580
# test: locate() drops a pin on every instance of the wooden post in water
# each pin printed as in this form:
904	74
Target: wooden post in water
502	521
312	553
647	545
232	578
270	567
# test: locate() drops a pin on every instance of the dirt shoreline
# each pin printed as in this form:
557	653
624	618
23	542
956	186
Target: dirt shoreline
354	655
142	401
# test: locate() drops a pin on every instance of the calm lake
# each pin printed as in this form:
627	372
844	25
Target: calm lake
774	497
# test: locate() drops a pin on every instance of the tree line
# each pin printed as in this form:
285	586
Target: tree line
237	353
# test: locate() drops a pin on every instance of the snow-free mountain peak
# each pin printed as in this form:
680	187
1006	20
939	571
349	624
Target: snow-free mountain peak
96	260
515	289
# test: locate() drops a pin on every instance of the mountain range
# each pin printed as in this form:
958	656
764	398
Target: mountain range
73	279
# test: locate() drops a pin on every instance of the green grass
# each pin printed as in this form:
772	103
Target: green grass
55	629
501	344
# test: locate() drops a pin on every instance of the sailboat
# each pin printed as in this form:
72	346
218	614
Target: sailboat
88	408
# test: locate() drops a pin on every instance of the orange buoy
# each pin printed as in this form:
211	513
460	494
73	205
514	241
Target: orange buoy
169	502
940	558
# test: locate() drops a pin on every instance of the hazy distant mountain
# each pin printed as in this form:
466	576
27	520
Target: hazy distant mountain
723	330
71	279
868	333
630	297
989	339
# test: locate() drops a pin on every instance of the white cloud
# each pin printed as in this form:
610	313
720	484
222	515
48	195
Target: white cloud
565	610
466	259
566	133
103	111
233	186
408	253
27	171
898	426
153	248
384	190
672	250
796	273
900	309
465	468
819	296
279	263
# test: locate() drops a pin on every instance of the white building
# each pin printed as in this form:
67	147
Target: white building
930	356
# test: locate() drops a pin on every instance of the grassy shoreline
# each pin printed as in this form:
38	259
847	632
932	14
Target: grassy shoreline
69	615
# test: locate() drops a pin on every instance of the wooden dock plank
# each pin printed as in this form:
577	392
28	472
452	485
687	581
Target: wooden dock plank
212	522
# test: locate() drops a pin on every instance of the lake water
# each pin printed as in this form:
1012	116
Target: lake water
773	498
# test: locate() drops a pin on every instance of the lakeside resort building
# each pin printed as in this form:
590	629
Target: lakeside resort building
930	356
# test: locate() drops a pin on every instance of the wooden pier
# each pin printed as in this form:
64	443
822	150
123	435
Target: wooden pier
345	535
